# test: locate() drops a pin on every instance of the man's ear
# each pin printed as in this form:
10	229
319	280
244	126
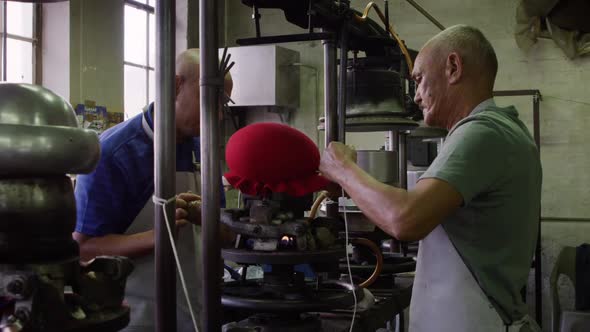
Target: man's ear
454	68
228	85
178	80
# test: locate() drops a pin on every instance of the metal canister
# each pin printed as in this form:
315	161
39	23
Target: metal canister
380	164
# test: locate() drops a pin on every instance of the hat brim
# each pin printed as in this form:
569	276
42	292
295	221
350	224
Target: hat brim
297	187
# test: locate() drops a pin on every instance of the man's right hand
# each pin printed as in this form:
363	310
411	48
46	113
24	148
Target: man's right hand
335	159
188	209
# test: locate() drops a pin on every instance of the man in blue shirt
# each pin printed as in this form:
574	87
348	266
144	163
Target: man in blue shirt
114	207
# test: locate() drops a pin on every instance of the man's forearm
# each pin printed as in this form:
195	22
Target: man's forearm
384	205
406	215
133	245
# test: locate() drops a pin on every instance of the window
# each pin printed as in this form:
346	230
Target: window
17	42
140	55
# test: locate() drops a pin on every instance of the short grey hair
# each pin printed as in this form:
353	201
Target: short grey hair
188	62
474	48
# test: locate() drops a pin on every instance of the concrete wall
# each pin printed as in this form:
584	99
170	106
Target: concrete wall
565	109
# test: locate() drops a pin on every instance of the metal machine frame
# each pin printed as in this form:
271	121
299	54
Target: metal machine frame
536	94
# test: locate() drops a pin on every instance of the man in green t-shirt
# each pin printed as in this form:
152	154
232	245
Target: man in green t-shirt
476	208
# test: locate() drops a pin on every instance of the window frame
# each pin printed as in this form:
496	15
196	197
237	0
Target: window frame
35	42
148	67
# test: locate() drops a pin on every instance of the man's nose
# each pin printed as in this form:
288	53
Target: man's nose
417	98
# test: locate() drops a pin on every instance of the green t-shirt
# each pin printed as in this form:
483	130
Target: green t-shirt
491	159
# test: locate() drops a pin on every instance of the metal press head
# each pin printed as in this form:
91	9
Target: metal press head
39	134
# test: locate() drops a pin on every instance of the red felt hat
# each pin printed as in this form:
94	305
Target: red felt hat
272	157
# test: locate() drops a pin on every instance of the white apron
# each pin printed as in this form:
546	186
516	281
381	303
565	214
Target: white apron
140	288
447	298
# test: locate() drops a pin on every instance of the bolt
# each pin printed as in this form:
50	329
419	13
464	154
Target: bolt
11	319
16	287
22	314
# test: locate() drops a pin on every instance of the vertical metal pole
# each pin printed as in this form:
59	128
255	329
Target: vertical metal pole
37	45
392	140
403	172
256	18
330	106
536	121
537	136
4	39
147	59
537	262
403	159
403	70
342	84
210	168
165	163
391	143
330	79
353	73
310	16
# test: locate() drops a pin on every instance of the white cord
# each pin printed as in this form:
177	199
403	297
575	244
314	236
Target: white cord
348	265
164	203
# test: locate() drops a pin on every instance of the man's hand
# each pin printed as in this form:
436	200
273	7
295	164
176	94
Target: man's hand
336	157
188	209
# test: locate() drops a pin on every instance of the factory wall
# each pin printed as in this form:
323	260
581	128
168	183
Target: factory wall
96	53
89	64
56	47
565	107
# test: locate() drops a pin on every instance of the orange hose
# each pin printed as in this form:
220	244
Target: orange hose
390	30
378	266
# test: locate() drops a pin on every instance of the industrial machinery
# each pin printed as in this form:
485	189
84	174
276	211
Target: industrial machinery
368	91
272	231
43	286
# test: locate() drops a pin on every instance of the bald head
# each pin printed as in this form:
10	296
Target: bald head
454	72
477	54
188	93
187	64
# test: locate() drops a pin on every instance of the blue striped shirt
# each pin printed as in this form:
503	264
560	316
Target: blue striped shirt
111	197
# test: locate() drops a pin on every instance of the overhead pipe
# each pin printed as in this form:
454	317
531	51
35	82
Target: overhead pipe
210	80
165	164
426	14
